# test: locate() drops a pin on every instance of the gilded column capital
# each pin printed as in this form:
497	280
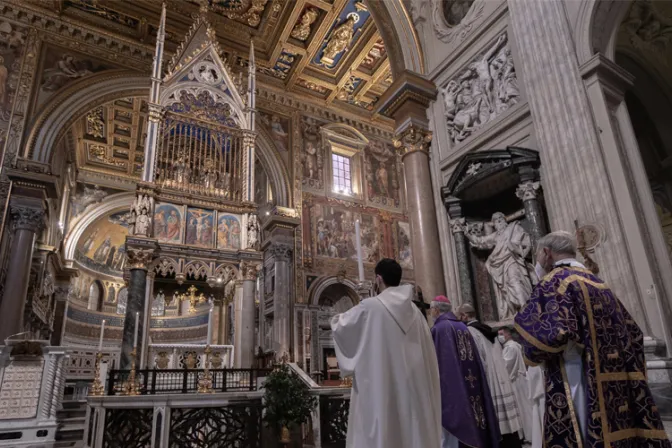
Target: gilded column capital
413	139
248	139
250	270
27	218
138	258
527	191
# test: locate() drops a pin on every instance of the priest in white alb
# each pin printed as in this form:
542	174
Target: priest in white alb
384	343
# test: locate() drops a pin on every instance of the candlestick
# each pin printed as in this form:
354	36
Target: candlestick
207	341
360	260
137	321
100	342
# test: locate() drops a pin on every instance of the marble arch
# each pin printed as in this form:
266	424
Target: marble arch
321	285
597	26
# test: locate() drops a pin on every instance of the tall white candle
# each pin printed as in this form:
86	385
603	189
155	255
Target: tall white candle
100	342
207	341
360	260
137	327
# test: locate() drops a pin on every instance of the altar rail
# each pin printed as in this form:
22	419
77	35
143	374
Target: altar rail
209	420
185	381
189	356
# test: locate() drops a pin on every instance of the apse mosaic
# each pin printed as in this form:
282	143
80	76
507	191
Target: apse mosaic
101	247
229	229
334	234
168	223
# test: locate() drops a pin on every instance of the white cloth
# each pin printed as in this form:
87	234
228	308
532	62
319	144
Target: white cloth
537	395
448	440
396	396
513	357
499	383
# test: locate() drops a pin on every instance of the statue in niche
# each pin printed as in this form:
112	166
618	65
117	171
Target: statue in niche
209	175
310	161
252	231
485	89
456	10
302	29
340	39
311	158
506	264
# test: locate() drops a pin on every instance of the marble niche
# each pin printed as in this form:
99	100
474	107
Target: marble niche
496	213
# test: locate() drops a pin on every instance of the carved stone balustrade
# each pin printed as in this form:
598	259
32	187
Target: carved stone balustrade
32	379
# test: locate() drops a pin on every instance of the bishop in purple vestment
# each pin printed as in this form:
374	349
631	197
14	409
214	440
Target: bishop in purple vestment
592	353
467	414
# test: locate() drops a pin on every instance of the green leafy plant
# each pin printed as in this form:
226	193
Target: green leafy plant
287	400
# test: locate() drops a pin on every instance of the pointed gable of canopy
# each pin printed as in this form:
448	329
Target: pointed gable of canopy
199	83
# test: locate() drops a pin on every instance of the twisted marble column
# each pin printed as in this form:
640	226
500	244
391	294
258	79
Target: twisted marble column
26	222
576	182
413	143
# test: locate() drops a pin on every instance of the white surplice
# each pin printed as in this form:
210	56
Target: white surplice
537	396
513	357
503	398
385	344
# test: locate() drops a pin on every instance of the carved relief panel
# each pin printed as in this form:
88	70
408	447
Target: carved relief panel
481	92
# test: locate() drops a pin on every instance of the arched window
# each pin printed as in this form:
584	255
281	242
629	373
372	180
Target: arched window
95	296
122	299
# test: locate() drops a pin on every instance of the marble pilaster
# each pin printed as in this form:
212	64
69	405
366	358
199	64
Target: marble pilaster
576	182
26	222
413	143
237	322
247	314
138	261
282	255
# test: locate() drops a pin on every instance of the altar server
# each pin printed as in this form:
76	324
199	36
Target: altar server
385	344
592	350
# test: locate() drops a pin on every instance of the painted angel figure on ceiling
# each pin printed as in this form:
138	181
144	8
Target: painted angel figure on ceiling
340	39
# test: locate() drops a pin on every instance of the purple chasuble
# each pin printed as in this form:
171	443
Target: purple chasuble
466	404
573	306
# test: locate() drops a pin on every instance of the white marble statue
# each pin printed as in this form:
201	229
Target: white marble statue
252	231
506	264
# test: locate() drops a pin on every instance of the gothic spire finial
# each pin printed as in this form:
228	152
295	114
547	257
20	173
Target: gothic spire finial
204	8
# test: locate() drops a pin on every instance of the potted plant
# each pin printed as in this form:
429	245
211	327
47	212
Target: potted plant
287	401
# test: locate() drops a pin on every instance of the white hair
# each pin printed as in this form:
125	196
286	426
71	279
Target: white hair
559	242
443	307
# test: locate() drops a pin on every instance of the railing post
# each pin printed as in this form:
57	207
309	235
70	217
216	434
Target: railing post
145	379
224	378
153	382
110	382
252	381
185	374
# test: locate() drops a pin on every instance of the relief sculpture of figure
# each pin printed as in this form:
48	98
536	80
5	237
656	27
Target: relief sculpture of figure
302	29
506	264
340	39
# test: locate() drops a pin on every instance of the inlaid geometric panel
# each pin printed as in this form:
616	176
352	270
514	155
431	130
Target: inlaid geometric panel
20	390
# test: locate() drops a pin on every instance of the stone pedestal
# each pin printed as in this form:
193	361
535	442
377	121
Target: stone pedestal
138	261
26	222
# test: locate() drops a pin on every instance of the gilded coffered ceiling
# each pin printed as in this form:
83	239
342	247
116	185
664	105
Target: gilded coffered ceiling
329	50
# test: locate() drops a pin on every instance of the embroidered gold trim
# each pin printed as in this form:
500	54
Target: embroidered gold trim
593	339
634	432
570	404
537	343
621	376
581	279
